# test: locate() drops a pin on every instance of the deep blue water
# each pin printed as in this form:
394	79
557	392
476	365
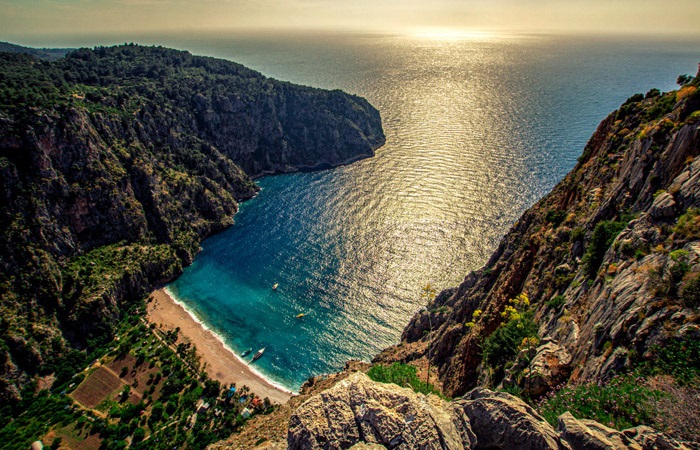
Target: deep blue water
477	130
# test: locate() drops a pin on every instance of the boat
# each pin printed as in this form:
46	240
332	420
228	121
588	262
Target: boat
258	354
274	286
247	352
299	316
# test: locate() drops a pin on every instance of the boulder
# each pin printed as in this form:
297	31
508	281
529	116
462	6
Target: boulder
358	410
590	435
650	439
664	206
547	366
502	421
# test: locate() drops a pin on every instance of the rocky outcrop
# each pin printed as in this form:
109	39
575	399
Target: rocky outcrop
358	413
358	410
607	300
501	421
539	370
116	162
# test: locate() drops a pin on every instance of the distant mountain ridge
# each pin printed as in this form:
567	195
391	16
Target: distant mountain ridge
47	54
115	162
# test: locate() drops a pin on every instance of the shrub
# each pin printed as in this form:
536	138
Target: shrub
556	302
401	374
690	292
688	225
621	403
679	358
577	234
555	216
603	236
504	343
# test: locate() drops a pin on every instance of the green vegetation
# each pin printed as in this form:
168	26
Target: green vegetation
602	238
154	402
688	225
677	357
517	330
555	216
621	403
401	374
556	302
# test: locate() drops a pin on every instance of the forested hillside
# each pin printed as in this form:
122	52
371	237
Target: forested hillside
116	162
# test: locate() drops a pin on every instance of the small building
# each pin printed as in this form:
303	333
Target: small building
231	392
37	445
246	413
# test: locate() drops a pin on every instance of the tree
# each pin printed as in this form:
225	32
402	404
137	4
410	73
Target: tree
682	80
56	443
139	434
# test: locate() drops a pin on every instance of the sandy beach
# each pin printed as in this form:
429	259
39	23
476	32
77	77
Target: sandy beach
221	364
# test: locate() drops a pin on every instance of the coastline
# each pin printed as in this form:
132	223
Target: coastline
222	364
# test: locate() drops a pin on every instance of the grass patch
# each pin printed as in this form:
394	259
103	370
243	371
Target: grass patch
403	375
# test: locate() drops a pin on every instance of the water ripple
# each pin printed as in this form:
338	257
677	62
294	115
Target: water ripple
476	132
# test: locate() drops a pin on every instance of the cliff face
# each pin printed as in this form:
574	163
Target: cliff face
358	413
600	301
116	162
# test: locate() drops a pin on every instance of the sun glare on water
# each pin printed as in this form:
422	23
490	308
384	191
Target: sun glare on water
448	34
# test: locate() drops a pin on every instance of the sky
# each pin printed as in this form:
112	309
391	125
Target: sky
32	20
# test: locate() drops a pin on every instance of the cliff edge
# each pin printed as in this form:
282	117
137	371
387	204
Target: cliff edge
599	276
115	162
358	413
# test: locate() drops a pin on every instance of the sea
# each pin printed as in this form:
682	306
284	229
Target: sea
478	128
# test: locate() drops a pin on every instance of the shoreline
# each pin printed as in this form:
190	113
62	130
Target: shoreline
222	364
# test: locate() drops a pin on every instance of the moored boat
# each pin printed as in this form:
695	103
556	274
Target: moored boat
258	354
247	352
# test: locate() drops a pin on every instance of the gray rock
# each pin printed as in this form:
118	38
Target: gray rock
358	410
618	439
580	436
664	206
502	421
650	439
549	365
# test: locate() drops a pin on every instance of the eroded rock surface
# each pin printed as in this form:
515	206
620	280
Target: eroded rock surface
358	413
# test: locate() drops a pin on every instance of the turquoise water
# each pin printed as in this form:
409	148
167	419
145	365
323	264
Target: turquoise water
477	130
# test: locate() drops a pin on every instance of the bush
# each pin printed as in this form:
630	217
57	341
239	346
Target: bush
690	293
555	216
401	374
679	358
621	403
504	343
556	302
688	225
603	236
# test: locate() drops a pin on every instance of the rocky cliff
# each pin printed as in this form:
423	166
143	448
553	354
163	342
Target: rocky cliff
116	162
358	413
598	277
594	294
